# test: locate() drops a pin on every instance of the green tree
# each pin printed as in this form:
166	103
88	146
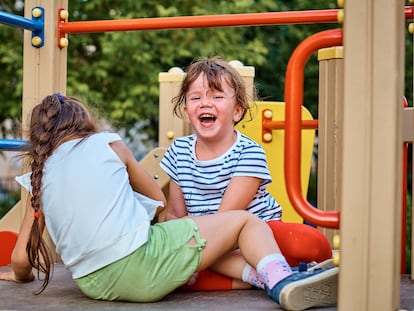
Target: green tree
11	66
118	71
281	41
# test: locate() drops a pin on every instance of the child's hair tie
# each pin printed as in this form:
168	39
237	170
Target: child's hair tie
36	215
59	96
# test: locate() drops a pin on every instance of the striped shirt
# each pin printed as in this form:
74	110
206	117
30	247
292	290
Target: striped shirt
203	183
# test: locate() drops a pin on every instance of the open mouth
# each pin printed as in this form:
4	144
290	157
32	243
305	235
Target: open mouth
207	118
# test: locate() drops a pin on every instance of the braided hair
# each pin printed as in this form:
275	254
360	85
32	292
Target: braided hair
55	120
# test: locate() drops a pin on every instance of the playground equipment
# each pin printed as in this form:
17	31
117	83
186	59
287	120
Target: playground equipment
36	24
8	240
369	197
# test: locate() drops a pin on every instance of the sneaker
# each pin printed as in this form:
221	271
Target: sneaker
302	290
304	266
326	264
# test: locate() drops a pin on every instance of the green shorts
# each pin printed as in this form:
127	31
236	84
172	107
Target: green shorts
154	270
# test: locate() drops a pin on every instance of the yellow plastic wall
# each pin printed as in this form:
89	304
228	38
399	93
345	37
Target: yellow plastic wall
274	152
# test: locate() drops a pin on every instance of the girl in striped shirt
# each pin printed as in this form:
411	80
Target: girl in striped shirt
218	169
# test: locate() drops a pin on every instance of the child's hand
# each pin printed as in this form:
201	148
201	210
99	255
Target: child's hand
11	276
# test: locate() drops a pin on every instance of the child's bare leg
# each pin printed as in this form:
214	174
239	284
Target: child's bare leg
237	284
231	264
228	231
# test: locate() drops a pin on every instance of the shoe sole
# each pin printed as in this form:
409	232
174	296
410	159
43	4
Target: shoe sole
320	289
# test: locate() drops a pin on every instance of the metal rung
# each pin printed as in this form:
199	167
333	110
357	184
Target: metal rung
12	144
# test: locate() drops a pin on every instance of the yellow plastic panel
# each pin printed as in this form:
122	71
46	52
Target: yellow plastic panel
275	153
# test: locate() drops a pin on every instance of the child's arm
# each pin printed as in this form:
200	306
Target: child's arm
21	268
140	180
239	193
176	203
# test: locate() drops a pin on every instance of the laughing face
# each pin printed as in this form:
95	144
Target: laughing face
211	112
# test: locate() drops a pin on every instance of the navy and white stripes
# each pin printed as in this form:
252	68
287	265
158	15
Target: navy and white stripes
203	182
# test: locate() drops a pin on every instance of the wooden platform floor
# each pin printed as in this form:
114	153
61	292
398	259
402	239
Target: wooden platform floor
63	294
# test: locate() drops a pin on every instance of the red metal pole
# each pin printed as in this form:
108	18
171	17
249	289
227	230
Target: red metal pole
294	99
404	201
408	10
280	125
248	19
404	210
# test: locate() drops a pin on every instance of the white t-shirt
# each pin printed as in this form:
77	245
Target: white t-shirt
91	211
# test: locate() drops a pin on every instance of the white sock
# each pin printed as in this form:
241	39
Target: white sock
273	268
251	276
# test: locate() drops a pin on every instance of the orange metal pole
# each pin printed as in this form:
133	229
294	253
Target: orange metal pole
404	210
248	19
279	125
404	201
408	10
294	99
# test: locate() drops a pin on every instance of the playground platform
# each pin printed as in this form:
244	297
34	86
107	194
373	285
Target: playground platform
63	294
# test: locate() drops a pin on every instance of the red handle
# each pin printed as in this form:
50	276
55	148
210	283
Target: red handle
294	99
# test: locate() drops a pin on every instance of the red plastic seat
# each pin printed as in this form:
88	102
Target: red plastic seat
7	242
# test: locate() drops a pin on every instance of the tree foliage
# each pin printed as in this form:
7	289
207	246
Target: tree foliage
118	71
122	71
11	66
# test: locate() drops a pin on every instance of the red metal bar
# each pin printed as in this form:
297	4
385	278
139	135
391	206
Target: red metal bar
404	202
404	210
279	125
294	99
408	10
248	19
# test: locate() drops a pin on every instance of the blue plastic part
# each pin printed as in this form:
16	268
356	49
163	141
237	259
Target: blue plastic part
39	32
12	144
19	21
36	24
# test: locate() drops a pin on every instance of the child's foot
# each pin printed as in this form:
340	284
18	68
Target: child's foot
302	290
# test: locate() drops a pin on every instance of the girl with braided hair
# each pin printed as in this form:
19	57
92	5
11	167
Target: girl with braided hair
97	203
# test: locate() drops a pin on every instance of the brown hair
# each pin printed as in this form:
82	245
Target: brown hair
214	69
56	119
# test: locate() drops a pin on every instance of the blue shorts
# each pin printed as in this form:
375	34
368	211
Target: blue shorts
154	270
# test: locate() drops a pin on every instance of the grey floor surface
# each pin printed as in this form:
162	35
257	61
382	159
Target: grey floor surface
63	294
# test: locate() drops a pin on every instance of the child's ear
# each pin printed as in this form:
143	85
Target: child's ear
238	114
186	114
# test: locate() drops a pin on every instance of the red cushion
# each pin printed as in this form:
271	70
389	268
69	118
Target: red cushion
7	242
